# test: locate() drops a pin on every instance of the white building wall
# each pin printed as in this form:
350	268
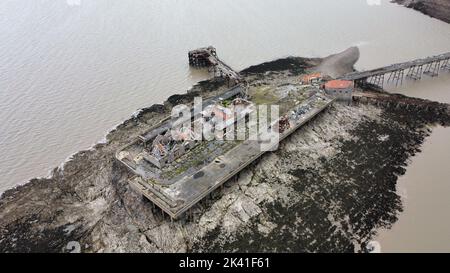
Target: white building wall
340	94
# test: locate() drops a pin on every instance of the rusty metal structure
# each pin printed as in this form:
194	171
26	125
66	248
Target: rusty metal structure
283	124
207	57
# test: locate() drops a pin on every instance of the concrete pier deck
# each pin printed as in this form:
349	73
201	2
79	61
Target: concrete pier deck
177	198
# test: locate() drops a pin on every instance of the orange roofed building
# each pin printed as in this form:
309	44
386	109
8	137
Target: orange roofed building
340	89
314	78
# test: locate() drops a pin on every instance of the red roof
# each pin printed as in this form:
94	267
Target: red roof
338	84
308	78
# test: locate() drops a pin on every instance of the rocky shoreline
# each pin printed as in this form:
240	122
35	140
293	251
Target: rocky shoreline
328	188
439	9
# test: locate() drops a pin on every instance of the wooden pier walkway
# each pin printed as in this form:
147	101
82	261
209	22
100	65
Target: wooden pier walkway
396	73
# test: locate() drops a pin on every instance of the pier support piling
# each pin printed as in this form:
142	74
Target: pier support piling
432	69
415	72
445	65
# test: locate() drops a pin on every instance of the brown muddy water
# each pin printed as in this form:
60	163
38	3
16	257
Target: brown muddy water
424	225
72	69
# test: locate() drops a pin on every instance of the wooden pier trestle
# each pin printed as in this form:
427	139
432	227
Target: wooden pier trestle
432	69
415	72
430	66
445	65
207	57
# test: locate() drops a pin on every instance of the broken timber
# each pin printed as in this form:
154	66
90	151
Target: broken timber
207	57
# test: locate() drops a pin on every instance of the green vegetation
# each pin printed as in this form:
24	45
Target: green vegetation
263	95
227	102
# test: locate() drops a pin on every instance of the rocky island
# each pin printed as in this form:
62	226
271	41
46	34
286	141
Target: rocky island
439	9
328	188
